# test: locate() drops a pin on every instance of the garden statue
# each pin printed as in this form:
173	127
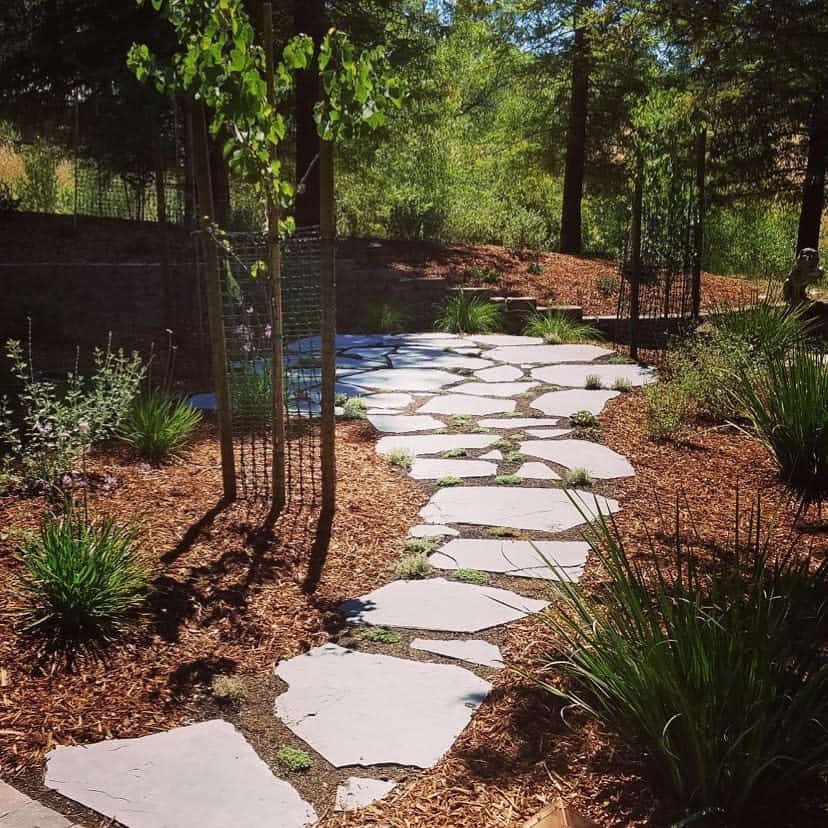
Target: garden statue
805	272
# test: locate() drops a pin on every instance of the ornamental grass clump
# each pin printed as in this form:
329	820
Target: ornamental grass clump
469	313
83	578
718	675
159	426
557	329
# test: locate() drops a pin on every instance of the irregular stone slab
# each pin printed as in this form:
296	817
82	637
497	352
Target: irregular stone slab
600	461
438	604
537	471
390	411
497	454
408	379
426	358
366	709
548	433
500	373
463	404
357	792
204	774
467	351
565	403
575	376
434	443
343	341
389	400
523	559
401	423
506	340
204	402
471	651
431	339
20	811
546	510
519	422
495	389
547	354
360	364
437	469
423	530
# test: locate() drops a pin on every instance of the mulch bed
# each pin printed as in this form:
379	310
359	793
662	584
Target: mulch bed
227	596
565	280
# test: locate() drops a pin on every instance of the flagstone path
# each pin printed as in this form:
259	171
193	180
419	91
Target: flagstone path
452	410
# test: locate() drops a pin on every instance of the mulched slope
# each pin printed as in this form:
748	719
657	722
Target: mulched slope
566	280
521	751
227	597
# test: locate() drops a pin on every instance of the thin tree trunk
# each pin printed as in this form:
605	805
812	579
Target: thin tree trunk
573	189
813	193
698	227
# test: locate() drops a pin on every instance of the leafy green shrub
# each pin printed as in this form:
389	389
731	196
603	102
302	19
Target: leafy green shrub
47	425
402	458
469	313
424	545
470	576
251	391
525	229
593	382
577	477
449	481
415	218
413	566
670	409
354	408
384	317
514	457
294	760
380	635
83	578
583	419
486	274
159	426
719	676
556	329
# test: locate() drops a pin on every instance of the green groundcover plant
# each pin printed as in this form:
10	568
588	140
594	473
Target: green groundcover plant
555	329
469	313
159	426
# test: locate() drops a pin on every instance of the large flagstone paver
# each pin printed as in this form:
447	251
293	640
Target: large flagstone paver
388	400
434	443
402	423
520	422
407	379
548	433
466	404
424	530
546	354
495	389
20	811
546	510
356	792
204	774
426	469
495	454
500	373
379	354
600	461
537	471
524	559
575	376
566	403
439	605
366	709
505	340
471	651
426	358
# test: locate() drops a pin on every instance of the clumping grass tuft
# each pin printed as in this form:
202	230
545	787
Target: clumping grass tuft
83	579
508	480
470	576
294	760
158	426
380	635
227	688
413	566
354	408
583	419
402	458
384	317
449	481
716	672
619	359
422	545
593	382
556	329
469	313
577	477
452	453
623	385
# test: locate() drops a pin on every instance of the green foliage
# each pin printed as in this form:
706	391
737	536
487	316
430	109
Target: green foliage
468	313
454	453
445	482
380	635
46	426
251	391
227	689
384	317
593	382
402	458
578	477
513	457
583	419
622	384
670	409
294	760
508	480
83	579
486	274
556	329
423	545
535	268
608	285
720	676
354	409
471	576
504	532
412	567
414	218
158	426
38	190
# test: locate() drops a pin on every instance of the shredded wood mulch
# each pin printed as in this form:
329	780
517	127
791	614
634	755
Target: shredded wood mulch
227	595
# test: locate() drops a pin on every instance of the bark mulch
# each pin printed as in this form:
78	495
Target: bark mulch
227	595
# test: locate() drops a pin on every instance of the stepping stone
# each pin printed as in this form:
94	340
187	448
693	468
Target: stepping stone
366	709
204	774
546	510
547	354
537	471
492	455
548	433
376	354
437	469
20	811
506	340
467	351
438	604
343	341
389	400
360	364
393	412
575	376
434	443
471	651
523	559
462	404
423	358
495	389
423	530
401	423
357	792
407	379
433	339
500	373
566	403
519	422
600	461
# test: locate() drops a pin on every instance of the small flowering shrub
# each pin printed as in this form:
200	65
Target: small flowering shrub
47	425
